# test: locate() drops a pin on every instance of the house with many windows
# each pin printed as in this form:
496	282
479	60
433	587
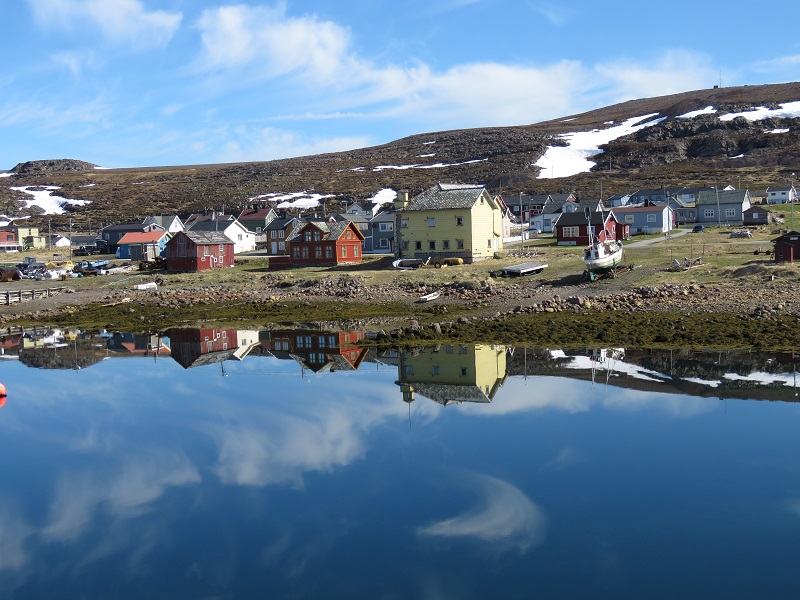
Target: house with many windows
275	235
575	229
724	207
322	243
655	218
381	233
448	220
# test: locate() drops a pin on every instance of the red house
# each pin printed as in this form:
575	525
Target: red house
787	247
572	229
191	251
318	350
8	241
196	347
325	244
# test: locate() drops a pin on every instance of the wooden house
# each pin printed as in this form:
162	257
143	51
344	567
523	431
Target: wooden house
449	220
276	233
243	239
723	207
112	234
190	251
381	233
787	247
9	241
781	194
317	350
145	245
573	228
646	219
757	216
325	244
198	347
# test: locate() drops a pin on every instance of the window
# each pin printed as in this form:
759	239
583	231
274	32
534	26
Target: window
432	245
417	245
321	341
488	243
651	218
435	371
460	244
317	236
459	220
629	218
448	349
387	226
755	215
281	234
463	371
384	243
300	341
258	229
446	244
708	213
221	248
730	212
281	245
331	341
304	251
348	234
273	234
355	250
431	221
344	251
570	232
295	252
405	245
308	236
403	223
240	237
328	251
317	251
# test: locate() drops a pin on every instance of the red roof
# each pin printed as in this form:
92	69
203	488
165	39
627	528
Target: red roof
136	237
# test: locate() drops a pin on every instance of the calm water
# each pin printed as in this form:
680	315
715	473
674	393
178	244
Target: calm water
460	472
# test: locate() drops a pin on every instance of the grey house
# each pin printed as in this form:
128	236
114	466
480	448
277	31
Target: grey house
725	207
380	237
646	219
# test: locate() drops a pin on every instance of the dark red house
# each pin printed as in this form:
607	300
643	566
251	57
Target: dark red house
318	350
572	229
190	251
196	347
787	247
325	244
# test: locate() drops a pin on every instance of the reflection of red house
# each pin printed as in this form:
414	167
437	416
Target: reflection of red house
318	350
194	347
10	342
325	244
191	251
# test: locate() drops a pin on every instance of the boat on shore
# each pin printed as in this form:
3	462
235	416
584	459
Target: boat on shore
601	257
405	264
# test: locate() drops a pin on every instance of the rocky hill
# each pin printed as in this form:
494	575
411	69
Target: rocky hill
673	151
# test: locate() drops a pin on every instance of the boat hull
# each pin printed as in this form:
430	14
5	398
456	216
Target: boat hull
601	258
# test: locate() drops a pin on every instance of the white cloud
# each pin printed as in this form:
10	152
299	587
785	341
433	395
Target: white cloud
120	21
557	15
504	515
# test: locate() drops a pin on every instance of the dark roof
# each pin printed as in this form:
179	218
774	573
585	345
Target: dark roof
204	238
446	196
639	209
250	214
331	231
723	197
579	218
215	225
127	227
278	224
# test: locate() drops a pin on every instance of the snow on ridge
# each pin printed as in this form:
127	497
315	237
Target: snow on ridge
782	130
384	196
44	198
426	155
789	110
433	166
708	110
303	199
563	161
6	174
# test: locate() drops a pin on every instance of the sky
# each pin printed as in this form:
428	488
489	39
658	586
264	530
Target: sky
128	83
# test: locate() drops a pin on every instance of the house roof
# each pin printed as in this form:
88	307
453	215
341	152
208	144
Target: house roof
447	196
251	214
331	231
126	227
557	206
220	224
163	220
722	196
204	238
640	209
142	237
280	223
598	217
780	188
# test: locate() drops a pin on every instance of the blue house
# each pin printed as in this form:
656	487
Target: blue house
725	207
646	219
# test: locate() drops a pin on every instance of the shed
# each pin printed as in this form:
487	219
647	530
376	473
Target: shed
191	251
787	247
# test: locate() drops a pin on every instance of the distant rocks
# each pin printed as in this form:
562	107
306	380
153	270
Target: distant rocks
35	168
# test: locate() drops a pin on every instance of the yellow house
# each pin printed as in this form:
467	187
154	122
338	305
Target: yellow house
29	238
453	373
448	220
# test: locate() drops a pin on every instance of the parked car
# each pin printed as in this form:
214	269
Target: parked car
699	229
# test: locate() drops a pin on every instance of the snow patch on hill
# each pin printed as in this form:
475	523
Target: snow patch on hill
44	198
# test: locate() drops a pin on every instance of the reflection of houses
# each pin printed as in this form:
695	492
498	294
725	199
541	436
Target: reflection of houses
450	374
196	347
138	344
316	350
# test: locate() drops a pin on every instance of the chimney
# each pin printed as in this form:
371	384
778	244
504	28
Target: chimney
402	200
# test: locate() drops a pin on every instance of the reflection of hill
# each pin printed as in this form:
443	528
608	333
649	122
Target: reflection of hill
726	374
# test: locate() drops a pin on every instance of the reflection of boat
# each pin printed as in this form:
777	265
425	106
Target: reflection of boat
429	297
607	357
409	263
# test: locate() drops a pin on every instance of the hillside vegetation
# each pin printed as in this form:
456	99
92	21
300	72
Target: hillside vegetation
691	152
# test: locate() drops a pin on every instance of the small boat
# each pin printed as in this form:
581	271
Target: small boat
429	297
409	263
527	268
600	257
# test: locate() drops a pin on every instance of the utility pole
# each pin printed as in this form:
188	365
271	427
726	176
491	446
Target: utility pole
719	217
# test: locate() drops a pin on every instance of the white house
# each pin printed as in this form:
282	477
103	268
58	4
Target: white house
243	239
781	194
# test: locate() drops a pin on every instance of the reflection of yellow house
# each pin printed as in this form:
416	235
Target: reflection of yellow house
450	374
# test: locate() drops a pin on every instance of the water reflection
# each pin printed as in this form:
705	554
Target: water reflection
567	472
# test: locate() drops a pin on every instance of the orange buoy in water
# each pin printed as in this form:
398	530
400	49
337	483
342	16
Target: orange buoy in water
2	394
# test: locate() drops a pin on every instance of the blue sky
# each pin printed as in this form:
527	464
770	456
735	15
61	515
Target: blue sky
124	83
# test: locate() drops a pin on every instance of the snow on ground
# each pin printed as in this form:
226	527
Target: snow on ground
708	110
702	381
7	174
428	143
786	130
294	199
790	110
433	166
384	196
616	367
563	161
44	198
426	155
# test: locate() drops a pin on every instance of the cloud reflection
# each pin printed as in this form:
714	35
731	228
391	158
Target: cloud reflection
503	515
13	534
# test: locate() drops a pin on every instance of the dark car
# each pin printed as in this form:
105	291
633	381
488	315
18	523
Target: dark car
699	229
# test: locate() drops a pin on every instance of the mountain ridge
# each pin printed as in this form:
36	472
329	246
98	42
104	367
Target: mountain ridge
673	152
